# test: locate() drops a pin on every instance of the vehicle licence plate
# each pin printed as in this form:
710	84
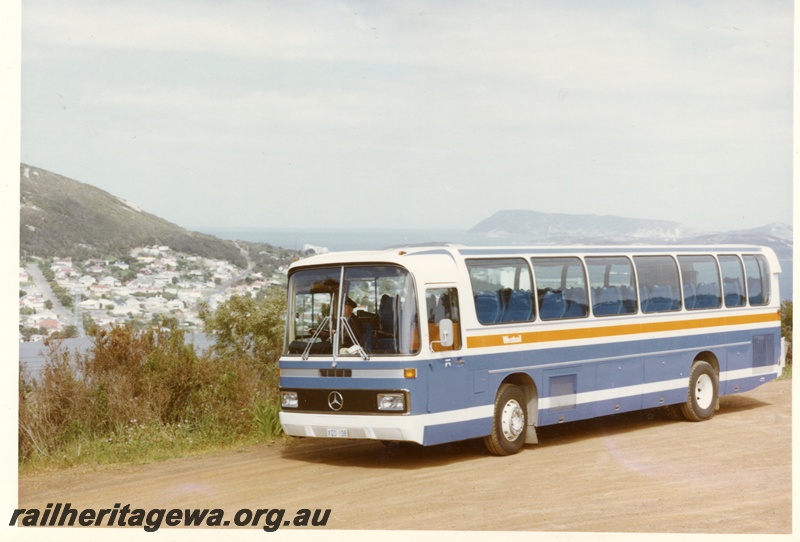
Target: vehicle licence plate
336	432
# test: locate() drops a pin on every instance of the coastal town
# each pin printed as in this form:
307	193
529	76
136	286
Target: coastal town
154	285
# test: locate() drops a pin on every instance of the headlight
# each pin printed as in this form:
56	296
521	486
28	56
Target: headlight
392	401
289	399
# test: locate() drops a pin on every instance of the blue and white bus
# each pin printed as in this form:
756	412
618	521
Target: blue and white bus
440	344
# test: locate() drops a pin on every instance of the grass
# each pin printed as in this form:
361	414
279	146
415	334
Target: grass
266	419
137	444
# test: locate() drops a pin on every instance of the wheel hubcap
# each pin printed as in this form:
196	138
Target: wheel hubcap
704	391
512	420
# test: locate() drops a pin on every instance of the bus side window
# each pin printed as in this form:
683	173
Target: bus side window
502	290
442	303
732	280
757	279
560	288
613	285
658	283
701	288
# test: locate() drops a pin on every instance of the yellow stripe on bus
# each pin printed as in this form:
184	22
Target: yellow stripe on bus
507	339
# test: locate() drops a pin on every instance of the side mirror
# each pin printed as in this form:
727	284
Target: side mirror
446	332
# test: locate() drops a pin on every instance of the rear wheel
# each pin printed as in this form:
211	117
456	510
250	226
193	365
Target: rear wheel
510	422
703	393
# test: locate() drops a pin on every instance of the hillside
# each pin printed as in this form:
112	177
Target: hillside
64	217
551	228
559	226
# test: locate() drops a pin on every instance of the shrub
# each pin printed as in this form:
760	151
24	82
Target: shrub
787	308
137	394
247	325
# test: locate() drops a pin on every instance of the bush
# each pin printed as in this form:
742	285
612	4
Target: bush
247	325
787	308
138	395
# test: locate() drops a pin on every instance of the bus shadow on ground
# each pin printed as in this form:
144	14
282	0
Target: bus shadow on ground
627	422
372	454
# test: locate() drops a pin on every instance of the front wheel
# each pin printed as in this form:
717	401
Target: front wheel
703	393
510	422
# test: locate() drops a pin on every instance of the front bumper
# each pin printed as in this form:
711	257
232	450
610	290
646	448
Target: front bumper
375	427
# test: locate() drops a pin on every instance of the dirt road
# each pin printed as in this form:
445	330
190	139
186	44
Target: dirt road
636	472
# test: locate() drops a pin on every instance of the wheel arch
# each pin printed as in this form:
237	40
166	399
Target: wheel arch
709	357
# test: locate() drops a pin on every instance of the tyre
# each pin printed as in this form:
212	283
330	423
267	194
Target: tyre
703	393
510	422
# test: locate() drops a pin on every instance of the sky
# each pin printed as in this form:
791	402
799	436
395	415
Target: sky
252	114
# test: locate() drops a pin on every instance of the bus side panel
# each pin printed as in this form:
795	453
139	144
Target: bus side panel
626	373
456	382
740	357
598	380
752	361
450	432
666	379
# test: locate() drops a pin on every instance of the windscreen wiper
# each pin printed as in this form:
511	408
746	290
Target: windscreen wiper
314	337
356	346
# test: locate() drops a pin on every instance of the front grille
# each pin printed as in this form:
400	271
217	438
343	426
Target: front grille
342	373
353	401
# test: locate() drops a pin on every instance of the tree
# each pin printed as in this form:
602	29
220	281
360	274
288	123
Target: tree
787	308
70	332
244	325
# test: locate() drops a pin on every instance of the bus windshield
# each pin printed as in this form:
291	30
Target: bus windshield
357	311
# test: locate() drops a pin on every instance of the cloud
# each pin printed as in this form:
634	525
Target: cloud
512	93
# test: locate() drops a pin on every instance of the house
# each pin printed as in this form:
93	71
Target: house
62	269
37	319
105	321
33	301
155	304
109	281
175	305
100	289
190	295
90	305
169	262
129	306
51	325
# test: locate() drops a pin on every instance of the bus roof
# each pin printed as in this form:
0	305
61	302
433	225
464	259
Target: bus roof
403	255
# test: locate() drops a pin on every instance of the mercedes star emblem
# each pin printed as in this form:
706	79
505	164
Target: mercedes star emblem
335	400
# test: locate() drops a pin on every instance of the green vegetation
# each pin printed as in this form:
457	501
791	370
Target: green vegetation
139	396
27	332
244	325
787	308
59	291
